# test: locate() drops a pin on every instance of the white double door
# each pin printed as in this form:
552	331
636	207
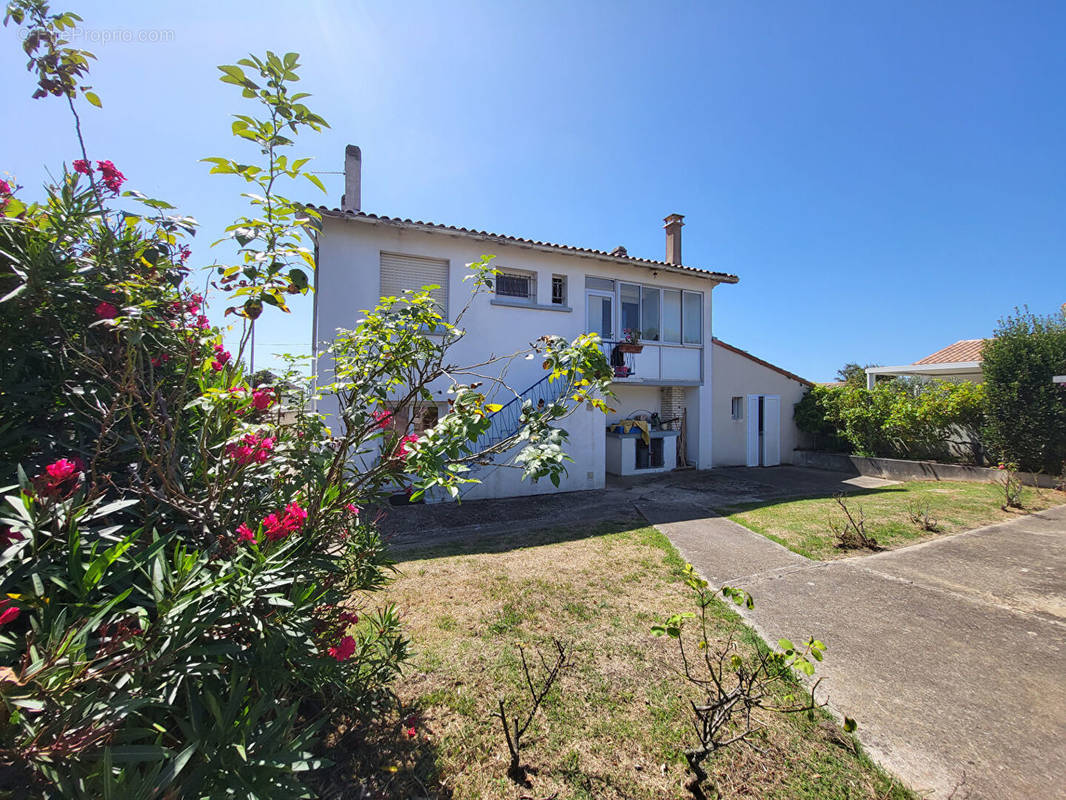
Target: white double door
764	430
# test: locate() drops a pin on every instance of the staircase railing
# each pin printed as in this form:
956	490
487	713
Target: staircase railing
506	422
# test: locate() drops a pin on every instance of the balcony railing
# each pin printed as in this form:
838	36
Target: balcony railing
657	363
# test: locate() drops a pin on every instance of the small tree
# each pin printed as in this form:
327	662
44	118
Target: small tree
1026	411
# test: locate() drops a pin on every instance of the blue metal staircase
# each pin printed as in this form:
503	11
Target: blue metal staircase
506	422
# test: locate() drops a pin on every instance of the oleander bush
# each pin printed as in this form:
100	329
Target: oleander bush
188	566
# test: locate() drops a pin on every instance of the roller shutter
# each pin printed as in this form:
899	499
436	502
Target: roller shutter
400	272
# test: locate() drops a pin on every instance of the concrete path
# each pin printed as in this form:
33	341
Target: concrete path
951	654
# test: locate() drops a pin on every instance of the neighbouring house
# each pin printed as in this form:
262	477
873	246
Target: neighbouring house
956	363
696	419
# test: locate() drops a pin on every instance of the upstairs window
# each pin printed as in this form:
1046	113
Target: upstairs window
558	290
517	286
692	319
400	273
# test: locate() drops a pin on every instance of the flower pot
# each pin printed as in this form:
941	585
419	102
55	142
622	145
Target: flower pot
626	347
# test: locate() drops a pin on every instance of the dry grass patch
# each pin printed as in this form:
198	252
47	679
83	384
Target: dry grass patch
803	525
616	721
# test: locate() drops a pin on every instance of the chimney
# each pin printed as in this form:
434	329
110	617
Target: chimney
353	169
673	238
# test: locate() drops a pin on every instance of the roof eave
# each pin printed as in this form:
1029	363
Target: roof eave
545	247
944	368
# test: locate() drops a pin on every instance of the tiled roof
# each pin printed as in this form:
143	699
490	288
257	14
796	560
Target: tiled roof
962	350
721	277
758	360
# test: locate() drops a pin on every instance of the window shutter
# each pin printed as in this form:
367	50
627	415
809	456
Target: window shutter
399	273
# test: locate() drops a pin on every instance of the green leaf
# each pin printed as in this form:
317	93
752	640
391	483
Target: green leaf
850	725
94	99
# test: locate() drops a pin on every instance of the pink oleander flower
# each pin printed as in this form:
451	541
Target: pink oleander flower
9	613
112	178
401	446
278	526
409	725
5	188
184	252
82	166
262	399
344	649
352	509
349	617
202	323
104	310
57	477
251	449
8	537
245	534
383	417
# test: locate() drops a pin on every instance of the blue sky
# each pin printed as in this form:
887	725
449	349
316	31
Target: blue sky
884	178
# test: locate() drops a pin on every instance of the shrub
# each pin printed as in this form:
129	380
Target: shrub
188	571
1026	411
898	419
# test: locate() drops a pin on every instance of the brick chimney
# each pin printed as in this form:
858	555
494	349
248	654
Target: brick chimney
673	238
353	169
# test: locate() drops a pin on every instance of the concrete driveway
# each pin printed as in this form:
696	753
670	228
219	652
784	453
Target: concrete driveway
951	654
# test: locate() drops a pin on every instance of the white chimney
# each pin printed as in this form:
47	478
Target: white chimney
353	169
673	238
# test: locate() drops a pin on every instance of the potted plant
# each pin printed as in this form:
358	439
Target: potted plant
630	342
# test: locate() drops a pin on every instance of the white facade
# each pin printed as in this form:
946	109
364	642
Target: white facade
740	381
349	280
552	289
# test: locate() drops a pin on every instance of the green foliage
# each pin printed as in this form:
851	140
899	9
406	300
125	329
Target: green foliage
731	684
271	241
1026	411
187	562
899	418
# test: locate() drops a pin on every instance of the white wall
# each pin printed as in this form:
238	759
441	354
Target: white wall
738	376
348	283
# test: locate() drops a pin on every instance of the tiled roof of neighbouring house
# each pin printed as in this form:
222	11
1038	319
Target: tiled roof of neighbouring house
721	277
962	350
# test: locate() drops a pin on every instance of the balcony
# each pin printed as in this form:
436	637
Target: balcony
656	364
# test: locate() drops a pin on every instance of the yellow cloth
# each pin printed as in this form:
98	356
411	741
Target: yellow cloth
629	424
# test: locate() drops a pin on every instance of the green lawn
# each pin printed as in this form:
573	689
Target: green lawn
803	525
617	721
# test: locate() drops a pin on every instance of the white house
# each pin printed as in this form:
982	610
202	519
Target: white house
545	288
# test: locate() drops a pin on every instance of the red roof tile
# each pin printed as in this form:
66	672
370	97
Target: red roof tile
721	277
962	350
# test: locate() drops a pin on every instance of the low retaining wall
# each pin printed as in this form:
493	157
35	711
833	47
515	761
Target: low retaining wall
898	469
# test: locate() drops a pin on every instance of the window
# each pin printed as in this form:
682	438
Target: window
558	290
517	286
601	315
629	302
692	321
738	408
672	316
400	273
649	314
600	284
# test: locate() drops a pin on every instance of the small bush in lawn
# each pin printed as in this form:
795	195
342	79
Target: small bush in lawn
1011	484
919	514
734	688
187	570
